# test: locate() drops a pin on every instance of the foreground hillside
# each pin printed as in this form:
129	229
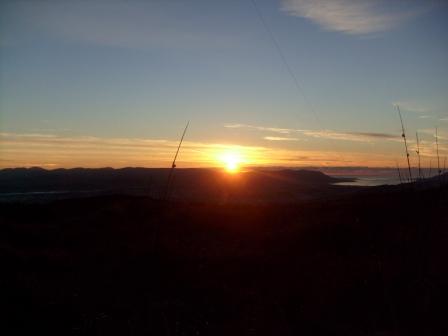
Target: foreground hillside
369	264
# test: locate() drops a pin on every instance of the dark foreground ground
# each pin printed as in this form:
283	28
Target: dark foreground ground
371	263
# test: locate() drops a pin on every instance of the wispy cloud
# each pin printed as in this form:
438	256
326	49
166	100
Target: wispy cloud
52	151
351	136
411	106
324	134
273	138
21	149
441	133
261	128
349	16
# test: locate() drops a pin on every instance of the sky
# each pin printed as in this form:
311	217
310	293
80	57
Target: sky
281	83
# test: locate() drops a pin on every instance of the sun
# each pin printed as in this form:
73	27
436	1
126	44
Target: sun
231	160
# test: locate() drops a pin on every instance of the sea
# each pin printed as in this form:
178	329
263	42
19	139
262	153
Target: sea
369	181
371	177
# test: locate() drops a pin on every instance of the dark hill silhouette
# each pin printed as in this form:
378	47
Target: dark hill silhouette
189	184
370	263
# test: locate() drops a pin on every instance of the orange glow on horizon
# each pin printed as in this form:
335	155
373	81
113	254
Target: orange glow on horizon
232	160
59	151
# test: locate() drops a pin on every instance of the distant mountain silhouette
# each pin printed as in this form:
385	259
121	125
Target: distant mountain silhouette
189	184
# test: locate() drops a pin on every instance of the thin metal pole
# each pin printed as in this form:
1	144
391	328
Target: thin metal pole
173	165
156	232
418	154
403	134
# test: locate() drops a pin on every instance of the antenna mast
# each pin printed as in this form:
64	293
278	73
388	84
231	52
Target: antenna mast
418	154
403	134
173	165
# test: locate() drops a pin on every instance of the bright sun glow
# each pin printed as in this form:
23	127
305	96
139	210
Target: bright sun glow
232	161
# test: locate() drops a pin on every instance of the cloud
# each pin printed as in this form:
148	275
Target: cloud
349	16
324	134
428	147
351	136
272	138
21	149
50	150
411	106
441	134
261	128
